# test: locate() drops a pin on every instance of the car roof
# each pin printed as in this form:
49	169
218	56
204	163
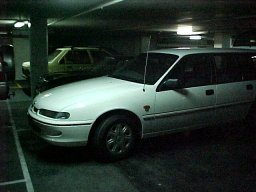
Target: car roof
187	51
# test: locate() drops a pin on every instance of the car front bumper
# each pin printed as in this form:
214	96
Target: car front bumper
61	135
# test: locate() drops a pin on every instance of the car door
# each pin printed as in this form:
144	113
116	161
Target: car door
192	102
235	76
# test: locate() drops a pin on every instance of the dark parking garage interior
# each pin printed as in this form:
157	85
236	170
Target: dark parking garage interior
218	158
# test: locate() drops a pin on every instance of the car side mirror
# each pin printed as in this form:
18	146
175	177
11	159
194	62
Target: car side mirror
170	84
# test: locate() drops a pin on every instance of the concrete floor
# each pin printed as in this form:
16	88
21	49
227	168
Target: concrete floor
219	159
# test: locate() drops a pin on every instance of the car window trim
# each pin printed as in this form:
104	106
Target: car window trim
212	67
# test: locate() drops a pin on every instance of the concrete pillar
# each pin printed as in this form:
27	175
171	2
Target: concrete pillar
222	40
21	54
145	44
38	50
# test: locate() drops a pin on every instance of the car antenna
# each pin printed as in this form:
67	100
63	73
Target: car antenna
145	71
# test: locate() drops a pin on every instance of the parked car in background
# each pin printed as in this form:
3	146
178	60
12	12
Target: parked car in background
52	80
107	66
160	92
7	53
72	59
4	87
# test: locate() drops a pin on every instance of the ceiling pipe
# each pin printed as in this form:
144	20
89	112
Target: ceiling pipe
100	6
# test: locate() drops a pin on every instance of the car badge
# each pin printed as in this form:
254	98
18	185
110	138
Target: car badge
146	107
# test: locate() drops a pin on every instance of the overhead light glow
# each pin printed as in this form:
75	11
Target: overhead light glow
27	23
195	37
110	3
19	24
184	30
6	21
3	33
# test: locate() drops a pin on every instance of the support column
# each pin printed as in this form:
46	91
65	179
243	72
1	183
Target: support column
38	50
145	44
222	40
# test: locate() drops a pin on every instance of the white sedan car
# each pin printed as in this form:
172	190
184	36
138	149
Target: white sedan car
158	92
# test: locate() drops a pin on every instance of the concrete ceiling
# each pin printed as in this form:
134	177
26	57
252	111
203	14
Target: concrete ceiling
206	16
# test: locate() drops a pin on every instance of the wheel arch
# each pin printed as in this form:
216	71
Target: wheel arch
133	116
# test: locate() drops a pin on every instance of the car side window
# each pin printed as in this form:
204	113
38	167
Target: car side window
248	66
76	57
234	67
192	71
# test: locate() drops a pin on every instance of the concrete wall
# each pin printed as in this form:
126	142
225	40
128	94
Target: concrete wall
21	54
5	41
222	40
125	43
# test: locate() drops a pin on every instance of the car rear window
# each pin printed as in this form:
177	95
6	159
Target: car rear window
53	55
235	67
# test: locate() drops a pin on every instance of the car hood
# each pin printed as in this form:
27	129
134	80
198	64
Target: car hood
85	91
66	75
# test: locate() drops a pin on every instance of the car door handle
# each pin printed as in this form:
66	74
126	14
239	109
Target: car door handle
209	92
249	87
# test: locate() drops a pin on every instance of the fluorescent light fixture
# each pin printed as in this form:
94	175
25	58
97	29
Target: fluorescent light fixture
184	30
110	3
27	23
184	48
7	21
19	24
195	37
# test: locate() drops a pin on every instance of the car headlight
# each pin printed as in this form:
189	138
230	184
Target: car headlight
54	114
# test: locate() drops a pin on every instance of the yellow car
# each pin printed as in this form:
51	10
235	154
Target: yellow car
74	59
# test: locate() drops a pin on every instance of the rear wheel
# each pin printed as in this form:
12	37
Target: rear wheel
115	138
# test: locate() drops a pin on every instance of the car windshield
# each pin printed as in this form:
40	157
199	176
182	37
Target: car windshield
53	55
157	65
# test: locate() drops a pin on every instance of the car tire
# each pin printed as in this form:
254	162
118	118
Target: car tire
114	138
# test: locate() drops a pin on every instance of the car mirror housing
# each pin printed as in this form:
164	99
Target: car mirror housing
170	84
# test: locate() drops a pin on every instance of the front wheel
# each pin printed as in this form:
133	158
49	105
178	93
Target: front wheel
114	138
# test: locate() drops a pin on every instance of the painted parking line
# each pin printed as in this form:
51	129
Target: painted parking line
23	163
18	85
